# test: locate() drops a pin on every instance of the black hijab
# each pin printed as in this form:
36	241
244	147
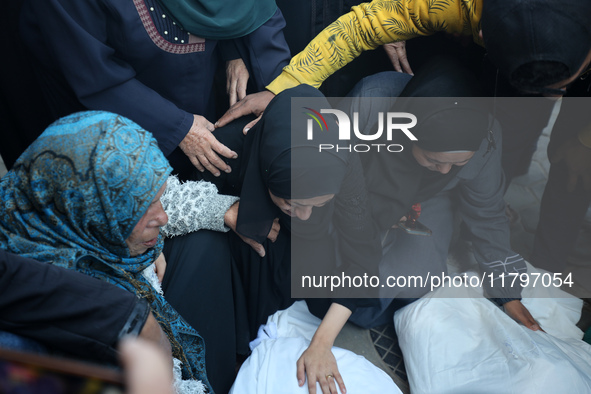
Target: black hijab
449	118
280	158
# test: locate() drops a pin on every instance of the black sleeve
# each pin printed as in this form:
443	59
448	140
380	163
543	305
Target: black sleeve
228	50
66	310
265	51
339	240
359	246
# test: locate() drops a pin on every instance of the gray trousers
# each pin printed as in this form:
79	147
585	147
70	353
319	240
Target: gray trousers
409	260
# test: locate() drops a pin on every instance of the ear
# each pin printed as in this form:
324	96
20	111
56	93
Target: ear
480	34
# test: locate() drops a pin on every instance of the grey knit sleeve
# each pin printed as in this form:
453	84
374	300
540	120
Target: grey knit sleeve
193	206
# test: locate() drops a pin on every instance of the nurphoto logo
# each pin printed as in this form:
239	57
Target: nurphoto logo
392	121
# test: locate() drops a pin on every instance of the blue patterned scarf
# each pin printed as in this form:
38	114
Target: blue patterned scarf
76	194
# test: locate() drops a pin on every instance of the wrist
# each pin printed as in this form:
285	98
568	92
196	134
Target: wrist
231	216
321	343
323	338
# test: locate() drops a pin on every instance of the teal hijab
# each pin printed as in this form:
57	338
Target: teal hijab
220	19
74	197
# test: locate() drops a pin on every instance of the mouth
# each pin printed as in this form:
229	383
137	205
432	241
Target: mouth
151	243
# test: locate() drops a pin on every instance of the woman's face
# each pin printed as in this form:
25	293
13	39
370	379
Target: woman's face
145	233
440	161
300	208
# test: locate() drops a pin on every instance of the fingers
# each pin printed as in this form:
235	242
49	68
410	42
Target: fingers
233	96
237	91
396	52
393	56
324	384
238	110
255	245
274	230
301	372
521	314
403	60
257	248
250	125
146	367
236	80
213	163
160	273
241	88
331	384
328	383
200	145
231	89
251	104
160	267
528	321
396	63
312	386
339	379
197	164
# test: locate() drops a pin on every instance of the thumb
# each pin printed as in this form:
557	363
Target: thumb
257	248
250	125
533	326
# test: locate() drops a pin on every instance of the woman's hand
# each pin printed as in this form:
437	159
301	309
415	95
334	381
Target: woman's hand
148	370
236	80
202	148
255	103
516	310
160	267
230	219
396	52
318	364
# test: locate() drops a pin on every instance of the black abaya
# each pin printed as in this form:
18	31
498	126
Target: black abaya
201	283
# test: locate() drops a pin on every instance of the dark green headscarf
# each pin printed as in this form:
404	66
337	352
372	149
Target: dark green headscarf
220	19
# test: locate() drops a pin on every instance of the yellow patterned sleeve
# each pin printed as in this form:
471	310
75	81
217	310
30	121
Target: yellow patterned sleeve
370	25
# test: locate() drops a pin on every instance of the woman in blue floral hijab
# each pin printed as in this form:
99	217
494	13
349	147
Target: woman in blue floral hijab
74	198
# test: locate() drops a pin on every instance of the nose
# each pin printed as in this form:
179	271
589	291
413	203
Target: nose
444	168
160	217
303	213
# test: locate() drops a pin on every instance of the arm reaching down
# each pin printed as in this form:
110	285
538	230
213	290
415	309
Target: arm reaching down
193	206
317	363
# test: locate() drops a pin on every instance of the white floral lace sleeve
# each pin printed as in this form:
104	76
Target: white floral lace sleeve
193	206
